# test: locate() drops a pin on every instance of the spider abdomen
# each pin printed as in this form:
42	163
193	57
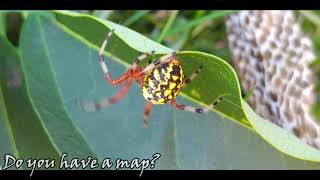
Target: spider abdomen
163	83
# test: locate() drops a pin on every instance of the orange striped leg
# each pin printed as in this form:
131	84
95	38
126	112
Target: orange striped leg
104	66
146	114
91	106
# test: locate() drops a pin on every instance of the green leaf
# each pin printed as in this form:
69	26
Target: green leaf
47	101
59	65
6	139
20	120
280	139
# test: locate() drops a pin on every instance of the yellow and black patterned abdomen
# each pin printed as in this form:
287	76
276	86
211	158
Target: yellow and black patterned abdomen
163	83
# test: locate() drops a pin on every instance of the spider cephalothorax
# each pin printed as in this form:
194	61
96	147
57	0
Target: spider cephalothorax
160	82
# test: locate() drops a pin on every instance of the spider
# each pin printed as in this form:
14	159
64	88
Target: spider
160	81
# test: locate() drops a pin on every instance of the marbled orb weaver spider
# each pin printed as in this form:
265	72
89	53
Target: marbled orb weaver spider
160	82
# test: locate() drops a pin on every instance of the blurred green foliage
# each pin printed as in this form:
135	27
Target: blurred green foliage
310	21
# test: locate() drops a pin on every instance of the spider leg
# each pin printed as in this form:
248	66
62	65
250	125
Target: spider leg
142	57
197	110
104	66
146	114
159	61
91	106
192	77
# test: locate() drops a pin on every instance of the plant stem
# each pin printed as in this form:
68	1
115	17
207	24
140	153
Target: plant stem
164	32
314	18
135	17
213	15
2	24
